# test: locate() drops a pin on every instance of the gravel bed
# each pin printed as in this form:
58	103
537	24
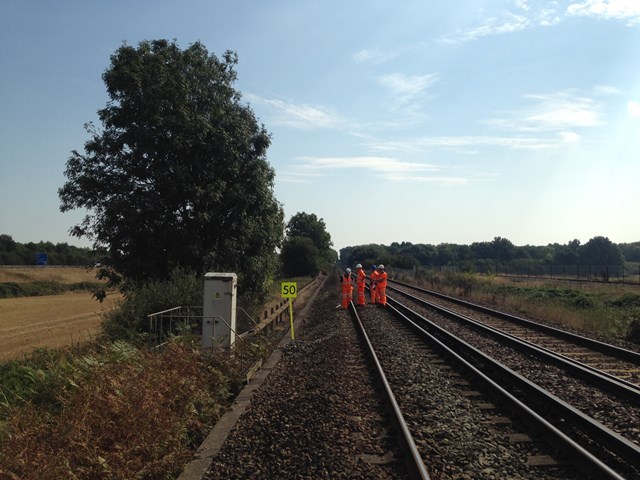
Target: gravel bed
318	415
457	437
616	413
566	347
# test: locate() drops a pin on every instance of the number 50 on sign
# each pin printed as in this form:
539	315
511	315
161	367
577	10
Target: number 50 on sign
289	289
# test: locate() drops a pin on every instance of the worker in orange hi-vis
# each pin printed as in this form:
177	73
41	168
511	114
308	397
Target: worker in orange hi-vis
381	286
372	286
360	283
347	289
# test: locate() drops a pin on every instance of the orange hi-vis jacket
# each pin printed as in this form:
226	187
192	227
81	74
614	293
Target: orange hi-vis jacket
360	283
381	287
381	282
347	290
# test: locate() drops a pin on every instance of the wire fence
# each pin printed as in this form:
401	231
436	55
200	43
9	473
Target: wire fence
591	273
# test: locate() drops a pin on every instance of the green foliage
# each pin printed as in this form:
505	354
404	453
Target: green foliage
599	253
633	332
129	414
178	175
307	248
15	253
630	251
299	256
367	255
303	224
39	381
129	320
566	296
629	300
602	311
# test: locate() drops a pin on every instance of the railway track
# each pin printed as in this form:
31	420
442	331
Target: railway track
452	412
602	422
615	361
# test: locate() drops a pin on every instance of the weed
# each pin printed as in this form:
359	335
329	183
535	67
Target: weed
138	415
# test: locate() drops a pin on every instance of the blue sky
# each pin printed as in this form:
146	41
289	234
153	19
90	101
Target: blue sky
393	121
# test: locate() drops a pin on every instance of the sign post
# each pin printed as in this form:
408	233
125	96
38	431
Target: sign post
290	290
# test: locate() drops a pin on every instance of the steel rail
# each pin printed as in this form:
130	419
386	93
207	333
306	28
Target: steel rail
613	350
489	367
413	460
602	379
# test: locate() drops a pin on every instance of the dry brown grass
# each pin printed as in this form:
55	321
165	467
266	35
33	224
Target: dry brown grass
138	417
63	275
50	321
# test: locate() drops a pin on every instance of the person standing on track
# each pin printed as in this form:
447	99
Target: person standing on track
381	286
373	276
360	283
347	289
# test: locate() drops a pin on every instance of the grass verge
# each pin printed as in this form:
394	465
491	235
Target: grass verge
607	310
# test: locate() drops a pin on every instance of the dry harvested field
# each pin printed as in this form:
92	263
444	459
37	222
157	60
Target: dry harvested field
48	321
64	275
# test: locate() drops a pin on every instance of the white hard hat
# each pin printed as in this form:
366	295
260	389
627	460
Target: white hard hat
381	267
348	270
358	266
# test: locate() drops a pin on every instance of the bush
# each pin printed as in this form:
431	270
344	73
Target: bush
129	321
633	334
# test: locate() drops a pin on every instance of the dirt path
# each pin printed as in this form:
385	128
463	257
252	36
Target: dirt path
50	321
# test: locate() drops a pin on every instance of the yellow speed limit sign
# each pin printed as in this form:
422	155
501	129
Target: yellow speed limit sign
289	289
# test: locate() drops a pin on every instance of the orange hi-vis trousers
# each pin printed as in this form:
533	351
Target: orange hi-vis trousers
347	293
372	289
381	288
361	299
360	283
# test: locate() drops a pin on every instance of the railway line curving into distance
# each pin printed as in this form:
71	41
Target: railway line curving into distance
435	390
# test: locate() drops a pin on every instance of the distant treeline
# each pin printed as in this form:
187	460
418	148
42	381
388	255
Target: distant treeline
15	253
597	251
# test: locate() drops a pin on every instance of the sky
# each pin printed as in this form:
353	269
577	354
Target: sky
416	121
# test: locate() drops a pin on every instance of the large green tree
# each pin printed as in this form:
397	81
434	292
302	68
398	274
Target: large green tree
308	226
177	175
299	257
600	251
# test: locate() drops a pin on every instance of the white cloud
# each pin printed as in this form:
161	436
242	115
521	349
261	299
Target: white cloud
607	90
299	116
373	56
380	164
556	111
432	179
287	176
628	10
467	144
562	110
407	86
569	137
491	26
388	168
634	109
408	93
529	16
